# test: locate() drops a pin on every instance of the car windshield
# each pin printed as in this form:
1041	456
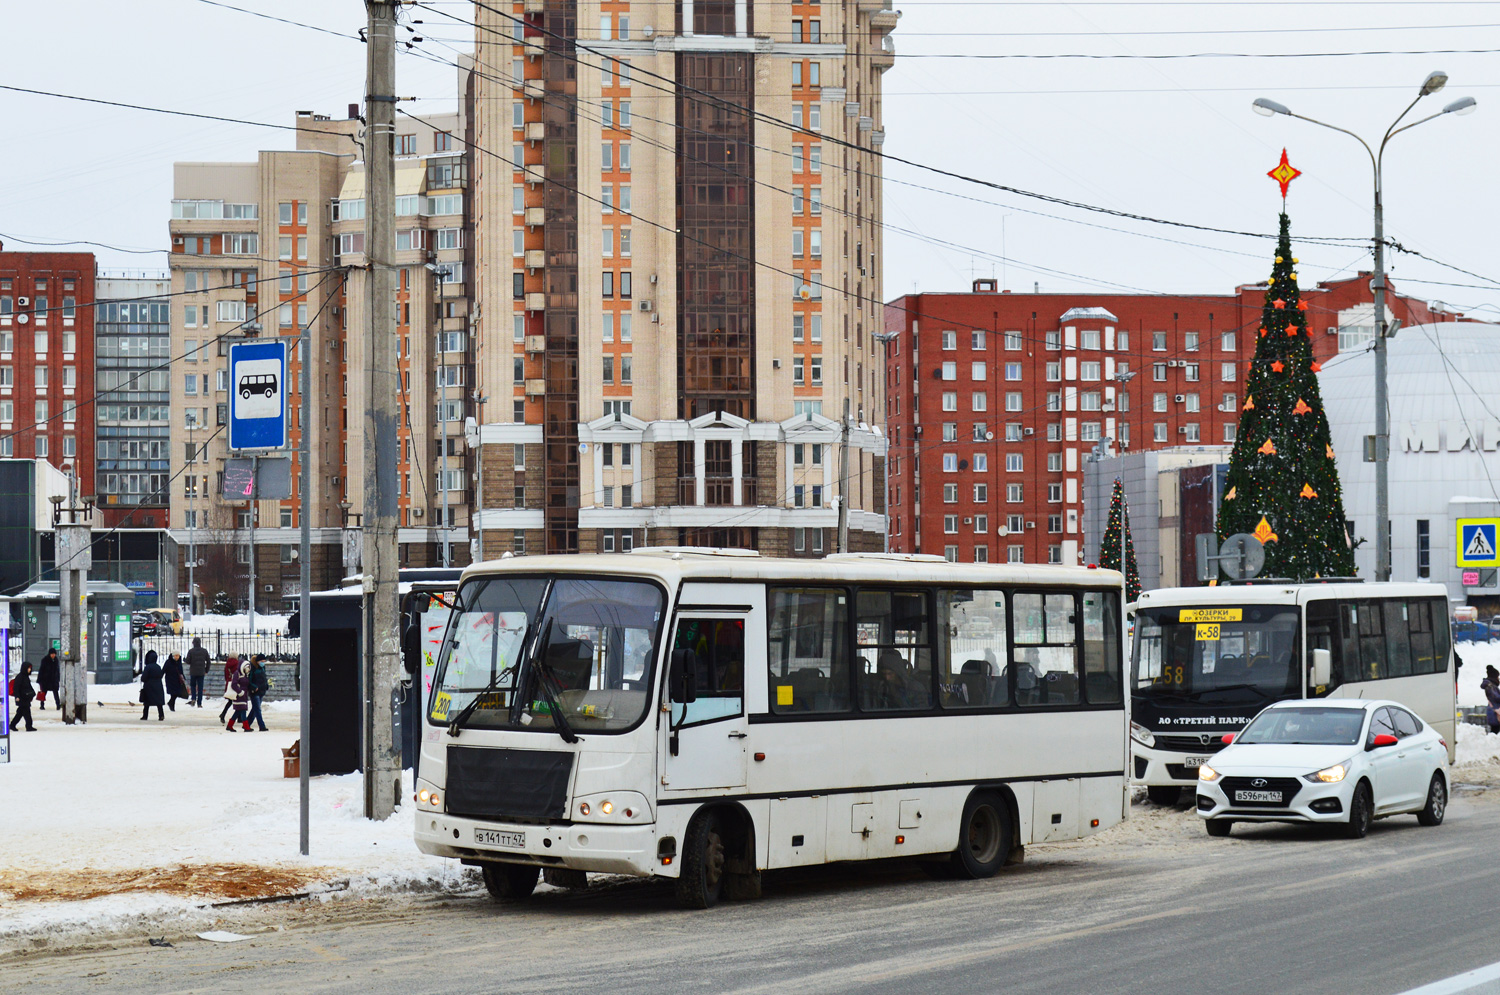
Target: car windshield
524	645
1306	724
1191	652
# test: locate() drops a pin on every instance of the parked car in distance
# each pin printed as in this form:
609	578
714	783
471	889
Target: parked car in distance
167	621
1345	760
142	623
1495	626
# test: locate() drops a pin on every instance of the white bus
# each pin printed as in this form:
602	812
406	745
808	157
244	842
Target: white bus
706	715
1207	659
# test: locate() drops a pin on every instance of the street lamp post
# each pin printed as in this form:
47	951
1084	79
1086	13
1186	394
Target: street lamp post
1432	84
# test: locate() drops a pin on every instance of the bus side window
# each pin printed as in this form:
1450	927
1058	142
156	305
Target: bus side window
891	628
1397	639
1419	627
718	655
974	622
1348	633
1371	641
1442	638
1046	663
1101	647
808	650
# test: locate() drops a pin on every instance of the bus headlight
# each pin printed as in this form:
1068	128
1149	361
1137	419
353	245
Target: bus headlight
1329	775
1207	773
1141	734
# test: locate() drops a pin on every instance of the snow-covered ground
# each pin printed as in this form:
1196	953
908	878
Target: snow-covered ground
1476	657
165	817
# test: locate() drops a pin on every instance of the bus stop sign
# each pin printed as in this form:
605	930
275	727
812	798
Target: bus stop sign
257	407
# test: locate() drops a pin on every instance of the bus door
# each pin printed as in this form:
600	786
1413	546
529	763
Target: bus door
706	738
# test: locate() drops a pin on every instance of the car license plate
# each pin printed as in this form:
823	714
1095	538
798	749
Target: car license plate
1195	761
1258	796
496	838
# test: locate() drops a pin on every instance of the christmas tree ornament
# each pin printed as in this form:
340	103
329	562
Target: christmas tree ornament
1278	304
1277	366
1302	305
1316	367
1263	532
1249	402
1230	495
1284	173
1308	492
1329	452
1269	449
1301	408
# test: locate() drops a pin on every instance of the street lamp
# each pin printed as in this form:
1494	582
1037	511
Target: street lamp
1432	84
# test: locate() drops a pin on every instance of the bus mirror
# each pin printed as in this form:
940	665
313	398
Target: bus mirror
680	683
421	603
1322	668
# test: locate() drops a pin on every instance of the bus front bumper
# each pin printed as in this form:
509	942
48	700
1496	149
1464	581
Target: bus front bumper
605	849
1165	768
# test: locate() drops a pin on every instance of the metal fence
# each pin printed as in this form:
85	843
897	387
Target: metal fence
274	646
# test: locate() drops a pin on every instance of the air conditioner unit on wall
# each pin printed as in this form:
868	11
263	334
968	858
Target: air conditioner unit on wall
1031	525
1179	398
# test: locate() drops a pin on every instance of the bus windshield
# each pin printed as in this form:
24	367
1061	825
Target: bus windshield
1192	652
519	648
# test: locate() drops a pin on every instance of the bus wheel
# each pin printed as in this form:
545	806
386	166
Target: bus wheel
984	837
702	880
510	882
1164	795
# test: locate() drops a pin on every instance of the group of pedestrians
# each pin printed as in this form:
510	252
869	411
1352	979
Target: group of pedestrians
245	685
22	693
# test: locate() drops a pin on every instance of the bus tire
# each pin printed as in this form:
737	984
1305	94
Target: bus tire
1168	794
510	882
1437	802
984	837
702	878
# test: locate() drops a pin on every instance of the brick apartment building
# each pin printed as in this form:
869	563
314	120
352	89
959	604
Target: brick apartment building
995	400
47	360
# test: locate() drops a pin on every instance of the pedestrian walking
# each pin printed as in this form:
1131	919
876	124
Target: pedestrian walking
197	662
175	681
260	683
231	670
1491	686
152	692
22	691
49	678
239	687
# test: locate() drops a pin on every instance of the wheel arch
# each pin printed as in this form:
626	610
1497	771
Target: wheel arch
737	827
1012	808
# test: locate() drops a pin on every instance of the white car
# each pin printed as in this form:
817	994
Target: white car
1341	760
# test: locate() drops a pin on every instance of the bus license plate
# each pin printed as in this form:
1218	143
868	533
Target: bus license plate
1258	796
496	838
1195	761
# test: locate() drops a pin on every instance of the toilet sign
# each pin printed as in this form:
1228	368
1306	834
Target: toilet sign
257	406
1475	543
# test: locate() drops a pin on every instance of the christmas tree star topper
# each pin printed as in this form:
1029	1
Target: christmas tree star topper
1284	173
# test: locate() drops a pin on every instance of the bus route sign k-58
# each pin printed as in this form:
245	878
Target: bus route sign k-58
257	406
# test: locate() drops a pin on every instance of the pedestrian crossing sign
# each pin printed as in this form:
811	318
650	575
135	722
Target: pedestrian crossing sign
1476	542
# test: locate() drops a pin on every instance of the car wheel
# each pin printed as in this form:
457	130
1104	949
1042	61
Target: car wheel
702	880
1437	802
1218	827
1361	810
1167	795
510	882
984	837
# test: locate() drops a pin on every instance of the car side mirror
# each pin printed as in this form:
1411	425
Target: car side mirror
681	683
1227	738
1322	668
1384	739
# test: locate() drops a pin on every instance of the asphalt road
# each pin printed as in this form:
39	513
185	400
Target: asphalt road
1155	908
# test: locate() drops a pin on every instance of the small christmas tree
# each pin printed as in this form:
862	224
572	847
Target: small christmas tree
1283	484
222	605
1117	552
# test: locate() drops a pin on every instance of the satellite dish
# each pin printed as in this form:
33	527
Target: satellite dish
1242	557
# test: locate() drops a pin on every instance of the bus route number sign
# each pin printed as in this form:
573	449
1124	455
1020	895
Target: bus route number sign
1210	615
1206	632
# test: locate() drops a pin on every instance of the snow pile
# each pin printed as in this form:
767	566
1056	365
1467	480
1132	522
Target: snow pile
118	798
1476	657
233	623
1476	746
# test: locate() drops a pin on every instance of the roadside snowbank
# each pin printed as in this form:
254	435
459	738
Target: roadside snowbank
1476	657
233	623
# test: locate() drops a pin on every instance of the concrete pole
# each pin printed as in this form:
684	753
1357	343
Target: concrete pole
1382	419
304	453
442	276
74	557
254	503
844	480
382	759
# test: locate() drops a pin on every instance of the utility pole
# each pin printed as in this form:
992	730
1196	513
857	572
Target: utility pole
440	277
382	766
74	557
304	578
254	499
844	481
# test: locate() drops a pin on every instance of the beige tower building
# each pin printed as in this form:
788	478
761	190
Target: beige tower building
678	274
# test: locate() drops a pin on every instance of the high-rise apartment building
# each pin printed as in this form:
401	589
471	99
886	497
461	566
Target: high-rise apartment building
47	360
997	400
678	268
132	412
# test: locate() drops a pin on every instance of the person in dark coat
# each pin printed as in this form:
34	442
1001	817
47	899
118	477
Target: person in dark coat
175	681
239	687
23	692
231	669
260	684
152	692
49	678
1491	687
197	662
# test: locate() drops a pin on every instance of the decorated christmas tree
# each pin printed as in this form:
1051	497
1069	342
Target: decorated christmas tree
1118	550
1283	484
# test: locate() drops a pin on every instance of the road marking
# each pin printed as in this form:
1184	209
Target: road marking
1467	981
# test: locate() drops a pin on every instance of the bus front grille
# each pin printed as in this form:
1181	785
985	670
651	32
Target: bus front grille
502	784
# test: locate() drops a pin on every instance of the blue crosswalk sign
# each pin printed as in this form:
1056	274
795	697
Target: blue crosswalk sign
1476	542
257	406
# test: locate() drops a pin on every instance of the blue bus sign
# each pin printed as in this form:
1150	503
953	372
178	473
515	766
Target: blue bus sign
257	407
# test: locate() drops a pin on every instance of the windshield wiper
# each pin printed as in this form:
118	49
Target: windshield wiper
544	681
468	710
1237	687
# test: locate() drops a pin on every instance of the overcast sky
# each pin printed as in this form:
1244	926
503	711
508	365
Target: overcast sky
1168	138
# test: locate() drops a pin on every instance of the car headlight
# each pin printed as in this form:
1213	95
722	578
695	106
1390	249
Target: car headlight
1207	773
1142	735
1329	775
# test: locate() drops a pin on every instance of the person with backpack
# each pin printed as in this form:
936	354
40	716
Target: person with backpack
197	663
22	691
49	678
260	684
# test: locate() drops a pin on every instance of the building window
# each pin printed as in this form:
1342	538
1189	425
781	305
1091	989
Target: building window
1013	494
1015	554
1013	400
1088	371
950	524
1226	342
1190	341
1159	432
1158	341
1159	402
950	493
1191	431
1424	549
1159	372
950	339
1054	553
1054	462
1054	401
1053	339
950	431
981	493
1054	493
1089	400
1054	524
1015	463
1054	372
950	371
1191	402
1190	372
1230	431
1228	372
406	144
950	400
950	462
977	371
981	524
981	462
1012	371
979	401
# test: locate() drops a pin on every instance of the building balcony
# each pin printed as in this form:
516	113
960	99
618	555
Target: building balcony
886	57
884	20
718	492
536	302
